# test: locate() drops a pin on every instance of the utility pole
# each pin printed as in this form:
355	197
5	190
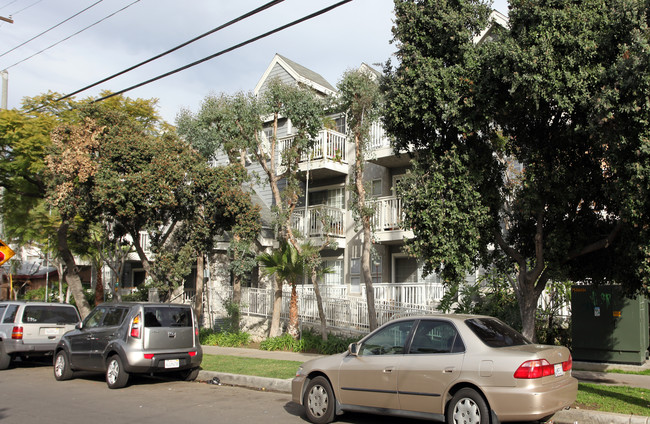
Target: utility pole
5	88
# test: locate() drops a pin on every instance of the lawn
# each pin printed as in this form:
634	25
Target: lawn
271	368
619	399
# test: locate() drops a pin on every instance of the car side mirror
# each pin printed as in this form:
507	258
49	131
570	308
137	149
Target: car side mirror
354	349
79	325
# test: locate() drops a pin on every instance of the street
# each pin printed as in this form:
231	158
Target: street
30	394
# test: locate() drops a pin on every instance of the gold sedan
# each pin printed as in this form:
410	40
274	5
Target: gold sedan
455	368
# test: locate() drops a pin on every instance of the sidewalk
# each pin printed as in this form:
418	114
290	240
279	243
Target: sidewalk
584	372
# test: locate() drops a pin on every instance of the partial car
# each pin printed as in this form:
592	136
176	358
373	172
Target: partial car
119	339
455	368
32	329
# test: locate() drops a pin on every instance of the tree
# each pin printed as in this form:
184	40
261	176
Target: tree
233	124
560	93
360	98
288	266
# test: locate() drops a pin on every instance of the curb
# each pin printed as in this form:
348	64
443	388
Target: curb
573	416
248	381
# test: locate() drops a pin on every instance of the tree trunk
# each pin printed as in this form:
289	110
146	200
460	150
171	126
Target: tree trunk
293	329
198	284
99	287
319	303
71	271
135	235
367	277
275	329
236	300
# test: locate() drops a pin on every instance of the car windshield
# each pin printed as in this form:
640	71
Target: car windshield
167	317
494	333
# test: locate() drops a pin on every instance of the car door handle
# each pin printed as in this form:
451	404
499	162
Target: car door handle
448	370
388	370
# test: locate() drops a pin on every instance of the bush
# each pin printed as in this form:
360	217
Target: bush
311	342
209	337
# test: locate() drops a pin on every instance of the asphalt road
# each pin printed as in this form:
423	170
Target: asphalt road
30	394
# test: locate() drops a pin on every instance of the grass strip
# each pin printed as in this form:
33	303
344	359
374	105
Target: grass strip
617	399
272	368
617	371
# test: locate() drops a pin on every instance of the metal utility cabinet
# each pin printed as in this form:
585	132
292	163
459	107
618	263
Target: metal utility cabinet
608	327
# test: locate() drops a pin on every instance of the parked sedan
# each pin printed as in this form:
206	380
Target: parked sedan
454	368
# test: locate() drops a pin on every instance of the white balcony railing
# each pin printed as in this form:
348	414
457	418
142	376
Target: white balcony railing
320	221
378	138
329	145
388	214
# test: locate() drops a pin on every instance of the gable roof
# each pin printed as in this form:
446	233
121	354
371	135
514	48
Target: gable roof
299	73
496	18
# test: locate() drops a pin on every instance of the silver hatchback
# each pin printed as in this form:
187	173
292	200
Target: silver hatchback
119	339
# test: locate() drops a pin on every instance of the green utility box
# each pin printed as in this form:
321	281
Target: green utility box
608	327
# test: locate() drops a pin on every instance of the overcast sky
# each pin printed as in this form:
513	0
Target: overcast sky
329	44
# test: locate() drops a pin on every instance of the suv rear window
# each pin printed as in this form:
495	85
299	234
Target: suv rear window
494	333
50	315
167	317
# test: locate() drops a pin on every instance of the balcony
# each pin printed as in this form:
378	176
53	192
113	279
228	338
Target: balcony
381	151
388	219
320	222
327	158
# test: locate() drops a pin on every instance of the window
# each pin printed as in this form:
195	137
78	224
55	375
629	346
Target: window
168	317
95	318
50	315
333	197
340	124
375	270
436	337
494	333
11	314
335	277
114	317
396	181
389	340
375	188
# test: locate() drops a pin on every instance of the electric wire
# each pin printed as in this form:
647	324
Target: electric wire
50	29
76	33
8	4
212	31
235	47
25	8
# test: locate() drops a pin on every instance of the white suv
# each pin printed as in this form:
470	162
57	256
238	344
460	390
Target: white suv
32	328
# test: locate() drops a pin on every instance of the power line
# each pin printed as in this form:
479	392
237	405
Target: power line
26	7
235	47
50	29
76	33
8	4
212	31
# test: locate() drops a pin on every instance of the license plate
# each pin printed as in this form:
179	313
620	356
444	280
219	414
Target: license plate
172	363
51	331
559	372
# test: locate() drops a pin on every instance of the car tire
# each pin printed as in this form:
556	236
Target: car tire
5	358
467	406
62	370
319	401
116	375
190	375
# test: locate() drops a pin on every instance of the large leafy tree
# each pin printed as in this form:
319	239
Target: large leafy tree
534	144
360	98
233	124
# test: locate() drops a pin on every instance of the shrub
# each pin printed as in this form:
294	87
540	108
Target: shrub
283	342
209	337
310	342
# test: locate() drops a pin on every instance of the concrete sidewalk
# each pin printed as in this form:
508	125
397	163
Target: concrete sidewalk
584	372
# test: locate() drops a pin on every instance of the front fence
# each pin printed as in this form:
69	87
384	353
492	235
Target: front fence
341	310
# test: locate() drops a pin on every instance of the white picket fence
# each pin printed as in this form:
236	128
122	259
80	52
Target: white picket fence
343	311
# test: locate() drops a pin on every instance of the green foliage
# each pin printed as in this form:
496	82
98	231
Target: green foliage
562	92
551	328
284	342
313	342
209	337
285	262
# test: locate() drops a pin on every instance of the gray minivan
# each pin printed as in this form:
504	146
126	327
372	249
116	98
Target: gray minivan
32	328
123	338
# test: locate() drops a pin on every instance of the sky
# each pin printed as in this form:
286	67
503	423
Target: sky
354	33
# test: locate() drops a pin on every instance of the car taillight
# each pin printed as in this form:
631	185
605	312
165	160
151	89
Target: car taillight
191	353
534	369
567	365
135	327
17	333
196	331
148	356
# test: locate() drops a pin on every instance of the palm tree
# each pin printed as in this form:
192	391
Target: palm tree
288	267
